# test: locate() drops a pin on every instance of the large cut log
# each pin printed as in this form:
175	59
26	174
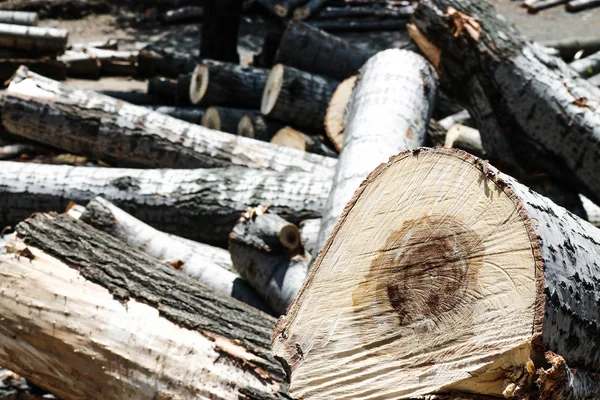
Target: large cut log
201	204
388	112
334	118
310	49
216	83
34	39
102	128
86	316
445	275
209	265
224	119
292	138
220	26
19	18
523	101
266	250
297	97
587	66
258	127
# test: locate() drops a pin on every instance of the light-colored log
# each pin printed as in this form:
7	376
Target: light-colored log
19	18
32	38
293	138
334	118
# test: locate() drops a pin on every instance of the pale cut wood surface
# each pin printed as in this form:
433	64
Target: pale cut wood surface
334	118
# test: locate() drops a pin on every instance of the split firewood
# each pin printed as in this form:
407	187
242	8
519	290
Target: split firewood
334	118
292	138
33	38
578	5
307	10
47	66
364	11
587	66
85	305
106	129
19	18
211	266
81	65
219	31
183	14
309	231
224	119
258	127
190	114
465	138
388	112
310	49
297	97
216	83
166	88
459	277
266	250
360	24
200	204
524	102
156	61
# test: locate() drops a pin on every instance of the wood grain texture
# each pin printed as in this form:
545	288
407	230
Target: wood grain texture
334	118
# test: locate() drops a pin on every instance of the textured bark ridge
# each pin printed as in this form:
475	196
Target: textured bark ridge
522	100
388	112
310	49
297	97
86	316
445	275
84	122
201	204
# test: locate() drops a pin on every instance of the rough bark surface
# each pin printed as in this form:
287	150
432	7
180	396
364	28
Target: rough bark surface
102	128
225	119
34	39
190	114
47	66
388	112
201	204
522	100
220	26
310	49
154	61
258	127
360	24
131	321
292	138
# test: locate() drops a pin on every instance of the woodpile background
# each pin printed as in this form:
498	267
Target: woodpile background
332	215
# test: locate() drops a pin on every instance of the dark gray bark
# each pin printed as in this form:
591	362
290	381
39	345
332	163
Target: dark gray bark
190	114
166	88
310	49
81	65
157	61
308	9
47	66
137	98
220	26
258	127
360	24
224	119
201	204
364	11
578	5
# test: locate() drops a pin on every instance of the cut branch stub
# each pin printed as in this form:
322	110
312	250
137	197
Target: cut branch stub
436	282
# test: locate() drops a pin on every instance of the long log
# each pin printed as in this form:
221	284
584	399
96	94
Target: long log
86	316
80	65
224	119
190	114
587	66
292	138
360	24
445	275
19	18
334	118
227	84
211	266
310	49
201	204
220	26
388	112
523	101
46	66
34	39
258	127
364	11
464	138
578	5
297	97
115	62
100	127
166	88
535	6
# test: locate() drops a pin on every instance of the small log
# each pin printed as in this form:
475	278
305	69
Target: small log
220	26
365	11
310	49
19	18
134	97
201	204
360	24
215	83
46	66
81	65
535	6
200	261
465	138
292	138
567	48
157	61
462	117
59	9
450	225
116	63
106	129
578	5
334	118
108	44
183	14
388	112
124	308
588	66
166	88
308	9
190	114
296	97
258	127
265	250
309	231
34	39
224	119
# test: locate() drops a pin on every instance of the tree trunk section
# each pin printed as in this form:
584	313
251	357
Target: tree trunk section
308	9
19	18
258	127
92	318
523	100
364	11
298	98
292	138
310	49
33	39
487	276
220	26
102	128
201	204
334	118
388	112
224	119
587	66
166	88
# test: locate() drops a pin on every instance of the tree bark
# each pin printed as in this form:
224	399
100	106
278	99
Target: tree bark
224	119
292	138
201	204
266	57
33	39
216	83
578	5
523	101
90	124
258	127
92	318
220	26
334	118
19	18
266	250
190	114
298	98
47	66
310	49
211	266
360	24
587	66
157	61
166	88
388	112
308	9
80	65
487	276
364	11
114	62
127	96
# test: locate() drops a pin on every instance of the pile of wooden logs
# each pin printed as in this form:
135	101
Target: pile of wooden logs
533	6
155	265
